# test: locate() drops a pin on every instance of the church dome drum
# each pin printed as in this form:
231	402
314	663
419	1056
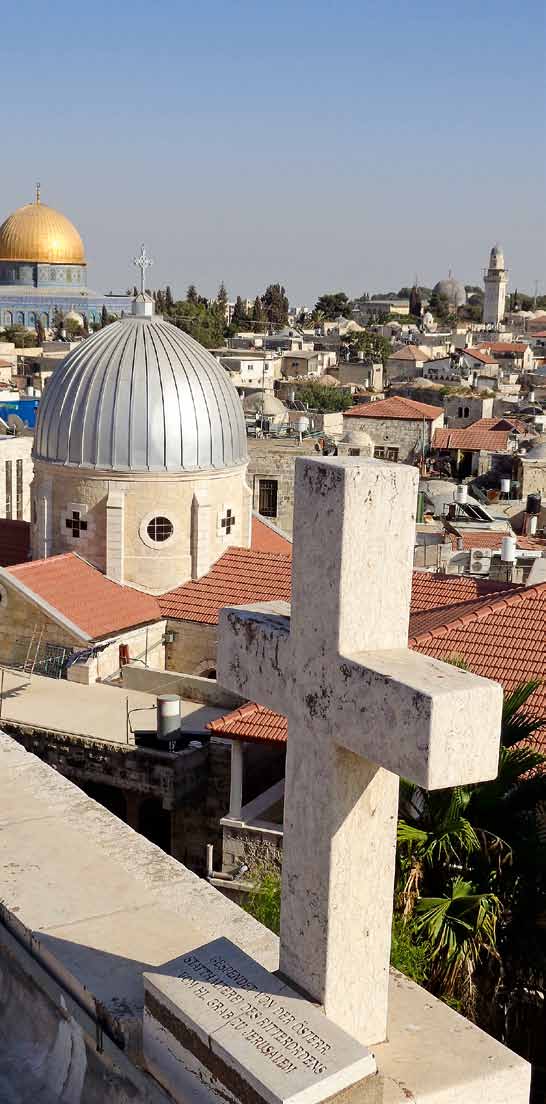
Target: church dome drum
141	395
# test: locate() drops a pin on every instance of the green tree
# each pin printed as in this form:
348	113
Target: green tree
73	329
58	323
472	871
160	304
222	301
191	294
374	346
40	332
258	315
330	305
319	397
240	317
275	304
103	316
169	302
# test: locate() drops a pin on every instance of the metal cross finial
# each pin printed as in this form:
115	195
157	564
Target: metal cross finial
38	186
143	262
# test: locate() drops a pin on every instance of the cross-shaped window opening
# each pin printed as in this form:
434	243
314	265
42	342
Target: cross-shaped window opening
76	524
228	522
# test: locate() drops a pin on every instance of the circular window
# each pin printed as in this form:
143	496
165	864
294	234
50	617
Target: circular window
159	529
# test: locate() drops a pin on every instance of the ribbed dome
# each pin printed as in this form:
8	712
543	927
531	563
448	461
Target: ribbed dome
39	233
141	395
453	290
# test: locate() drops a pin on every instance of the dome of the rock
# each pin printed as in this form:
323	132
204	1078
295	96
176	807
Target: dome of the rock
39	234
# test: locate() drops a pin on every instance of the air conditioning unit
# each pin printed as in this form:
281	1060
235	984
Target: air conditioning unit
480	561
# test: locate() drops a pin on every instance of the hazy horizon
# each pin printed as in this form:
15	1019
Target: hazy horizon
328	147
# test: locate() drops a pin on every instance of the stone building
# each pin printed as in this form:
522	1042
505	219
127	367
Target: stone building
496	283
271	477
43	268
15	476
401	429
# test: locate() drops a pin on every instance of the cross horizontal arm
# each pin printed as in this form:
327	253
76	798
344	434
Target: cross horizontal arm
253	652
422	719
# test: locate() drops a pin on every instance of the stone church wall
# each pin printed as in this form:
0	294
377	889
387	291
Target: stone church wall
155	567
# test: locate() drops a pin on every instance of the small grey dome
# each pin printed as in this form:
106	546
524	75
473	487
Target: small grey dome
272	407
453	290
538	449
141	395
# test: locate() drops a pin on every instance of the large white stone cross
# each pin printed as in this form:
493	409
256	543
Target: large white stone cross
362	711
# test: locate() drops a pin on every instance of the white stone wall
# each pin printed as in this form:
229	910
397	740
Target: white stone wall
126	550
12	451
405	435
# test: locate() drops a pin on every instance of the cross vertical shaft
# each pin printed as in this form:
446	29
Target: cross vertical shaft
362	711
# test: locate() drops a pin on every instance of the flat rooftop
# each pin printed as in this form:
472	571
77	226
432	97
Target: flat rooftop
97	712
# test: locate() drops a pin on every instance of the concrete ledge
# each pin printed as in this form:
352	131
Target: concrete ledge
98	906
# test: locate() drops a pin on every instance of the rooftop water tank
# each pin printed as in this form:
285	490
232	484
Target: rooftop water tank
461	494
168	717
508	549
534	503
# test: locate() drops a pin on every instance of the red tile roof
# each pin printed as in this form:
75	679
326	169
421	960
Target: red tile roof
503	639
241	576
480	355
500	636
410	352
14	541
253	723
500	424
85	596
396	407
267	538
471	439
505	347
473	538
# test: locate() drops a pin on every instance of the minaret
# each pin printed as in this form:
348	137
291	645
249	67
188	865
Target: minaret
496	281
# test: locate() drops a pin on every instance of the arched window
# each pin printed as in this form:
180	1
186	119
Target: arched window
45	320
8	318
466	411
20	318
31	318
460	412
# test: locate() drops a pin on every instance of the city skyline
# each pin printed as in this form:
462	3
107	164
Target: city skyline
352	150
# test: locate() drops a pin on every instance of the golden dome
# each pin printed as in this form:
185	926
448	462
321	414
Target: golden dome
39	233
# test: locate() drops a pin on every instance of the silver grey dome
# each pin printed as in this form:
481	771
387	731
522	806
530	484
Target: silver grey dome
453	290
141	395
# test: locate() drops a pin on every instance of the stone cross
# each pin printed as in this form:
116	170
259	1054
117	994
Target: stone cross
363	710
143	262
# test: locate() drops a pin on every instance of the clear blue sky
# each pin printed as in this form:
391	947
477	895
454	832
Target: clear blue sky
326	145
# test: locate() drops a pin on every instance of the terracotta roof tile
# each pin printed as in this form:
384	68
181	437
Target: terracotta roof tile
267	538
500	424
471	439
253	723
241	576
14	541
396	407
85	596
472	538
479	354
500	635
410	352
505	346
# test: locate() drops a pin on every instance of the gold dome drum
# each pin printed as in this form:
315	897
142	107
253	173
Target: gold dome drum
39	233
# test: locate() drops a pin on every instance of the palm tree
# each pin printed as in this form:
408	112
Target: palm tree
472	866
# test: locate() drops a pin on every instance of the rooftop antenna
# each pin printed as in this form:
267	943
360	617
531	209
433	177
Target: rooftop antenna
38	186
142	262
535	295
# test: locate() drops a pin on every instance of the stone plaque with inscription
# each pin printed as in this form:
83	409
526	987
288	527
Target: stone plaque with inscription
219	1026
